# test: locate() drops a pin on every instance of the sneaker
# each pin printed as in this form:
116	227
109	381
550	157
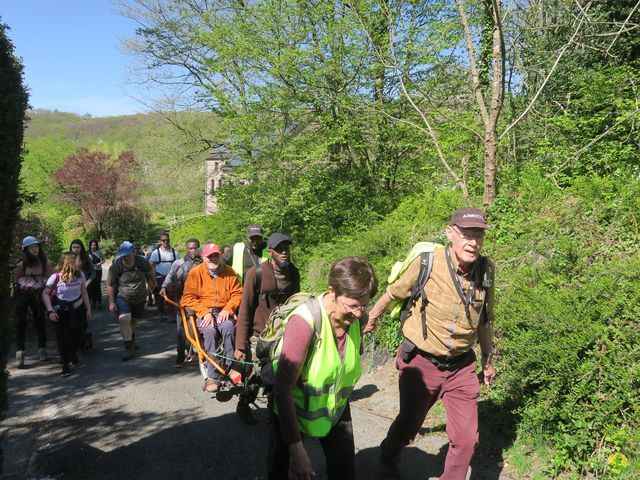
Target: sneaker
66	371
42	354
73	362
20	359
246	414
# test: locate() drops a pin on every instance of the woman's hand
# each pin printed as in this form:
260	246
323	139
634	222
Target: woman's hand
89	315
300	467
53	316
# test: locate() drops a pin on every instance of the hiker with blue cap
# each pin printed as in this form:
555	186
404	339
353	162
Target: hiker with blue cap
129	279
30	275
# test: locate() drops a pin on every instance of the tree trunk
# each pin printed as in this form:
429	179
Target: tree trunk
490	166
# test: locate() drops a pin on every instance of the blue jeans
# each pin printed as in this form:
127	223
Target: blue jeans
211	333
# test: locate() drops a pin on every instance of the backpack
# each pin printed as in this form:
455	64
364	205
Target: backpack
274	330
137	265
400	309
159	255
53	293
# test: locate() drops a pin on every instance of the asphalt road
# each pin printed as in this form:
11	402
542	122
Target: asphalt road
145	419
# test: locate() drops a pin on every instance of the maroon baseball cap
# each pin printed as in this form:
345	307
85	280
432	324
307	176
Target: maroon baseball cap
469	217
210	249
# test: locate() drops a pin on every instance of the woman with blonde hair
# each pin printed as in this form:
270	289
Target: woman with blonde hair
67	302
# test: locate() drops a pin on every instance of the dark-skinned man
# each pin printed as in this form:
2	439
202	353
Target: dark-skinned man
248	254
266	286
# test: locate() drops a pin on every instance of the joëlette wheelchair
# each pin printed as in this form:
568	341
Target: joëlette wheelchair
231	376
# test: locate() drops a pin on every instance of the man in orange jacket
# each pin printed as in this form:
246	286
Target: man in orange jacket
213	292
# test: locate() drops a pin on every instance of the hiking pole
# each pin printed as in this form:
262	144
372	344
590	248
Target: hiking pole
194	339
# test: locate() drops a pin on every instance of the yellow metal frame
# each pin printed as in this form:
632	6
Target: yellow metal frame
194	339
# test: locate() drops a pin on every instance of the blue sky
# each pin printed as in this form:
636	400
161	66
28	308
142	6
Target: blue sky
71	54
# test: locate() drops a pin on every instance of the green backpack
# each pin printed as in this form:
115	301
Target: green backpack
274	330
400	309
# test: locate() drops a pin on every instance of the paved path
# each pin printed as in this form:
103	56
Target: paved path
144	419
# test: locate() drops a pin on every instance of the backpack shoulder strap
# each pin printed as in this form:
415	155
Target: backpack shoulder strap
316	313
426	266
258	283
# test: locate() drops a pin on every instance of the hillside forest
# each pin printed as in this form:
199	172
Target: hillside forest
357	127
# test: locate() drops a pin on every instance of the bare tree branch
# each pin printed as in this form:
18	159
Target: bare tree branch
615	39
475	74
563	50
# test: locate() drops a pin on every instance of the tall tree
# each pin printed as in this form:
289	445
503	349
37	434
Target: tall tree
13	104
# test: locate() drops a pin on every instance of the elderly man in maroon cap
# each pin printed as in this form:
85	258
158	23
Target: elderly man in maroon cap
436	360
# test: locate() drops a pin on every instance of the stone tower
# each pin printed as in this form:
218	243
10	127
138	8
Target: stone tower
216	167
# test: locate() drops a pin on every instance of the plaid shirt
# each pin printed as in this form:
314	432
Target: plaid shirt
450	332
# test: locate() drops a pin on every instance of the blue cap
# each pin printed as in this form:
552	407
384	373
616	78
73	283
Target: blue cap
28	241
126	248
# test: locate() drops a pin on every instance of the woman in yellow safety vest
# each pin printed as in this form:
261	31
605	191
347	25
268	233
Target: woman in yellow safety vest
316	370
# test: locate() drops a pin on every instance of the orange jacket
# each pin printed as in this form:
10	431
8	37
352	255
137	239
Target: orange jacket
202	292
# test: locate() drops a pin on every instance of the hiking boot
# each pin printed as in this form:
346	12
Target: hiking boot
20	359
129	351
246	414
66	371
42	354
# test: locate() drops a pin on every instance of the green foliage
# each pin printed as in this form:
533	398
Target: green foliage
221	228
13	105
419	217
568	271
127	222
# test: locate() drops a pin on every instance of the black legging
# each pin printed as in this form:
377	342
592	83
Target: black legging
338	446
95	289
70	332
25	299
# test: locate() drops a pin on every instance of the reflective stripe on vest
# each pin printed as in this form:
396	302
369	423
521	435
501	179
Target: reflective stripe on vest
238	259
326	382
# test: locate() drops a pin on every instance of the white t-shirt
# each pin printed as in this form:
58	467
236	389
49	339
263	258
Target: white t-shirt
163	260
68	292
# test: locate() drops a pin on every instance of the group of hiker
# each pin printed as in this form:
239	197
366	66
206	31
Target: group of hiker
314	342
63	294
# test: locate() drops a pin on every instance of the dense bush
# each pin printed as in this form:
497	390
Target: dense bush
568	276
13	105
